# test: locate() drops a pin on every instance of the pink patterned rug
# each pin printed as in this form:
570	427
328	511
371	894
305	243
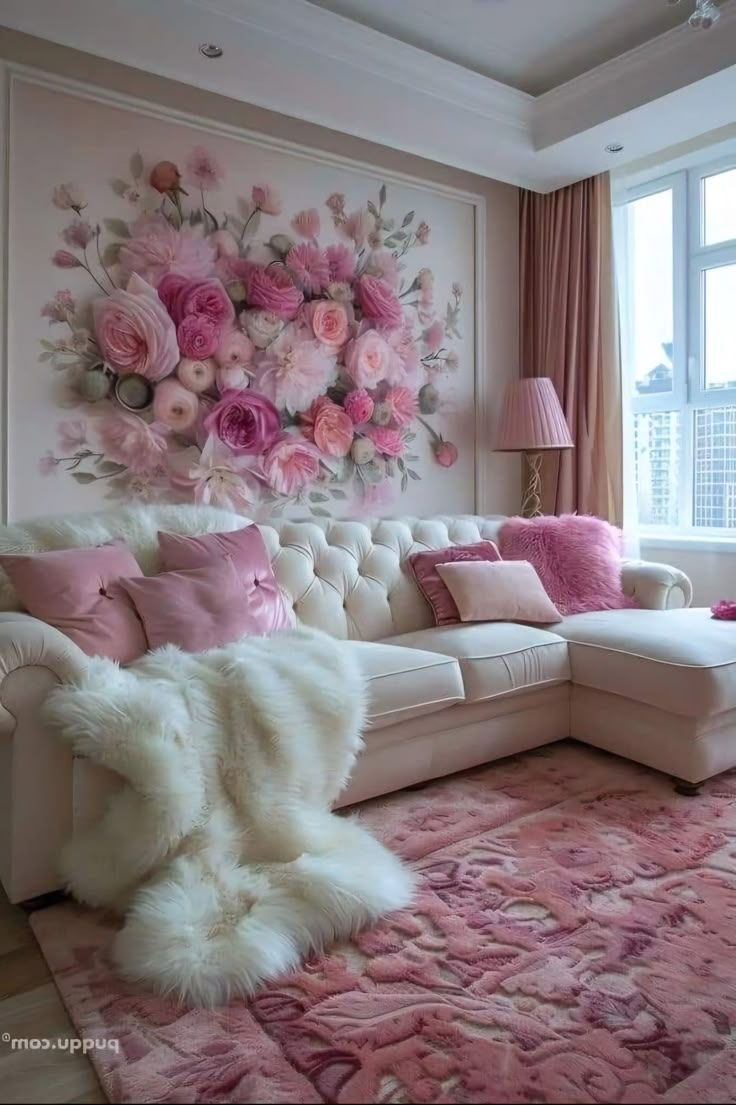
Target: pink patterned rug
574	940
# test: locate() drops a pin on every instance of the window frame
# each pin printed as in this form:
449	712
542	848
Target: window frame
691	259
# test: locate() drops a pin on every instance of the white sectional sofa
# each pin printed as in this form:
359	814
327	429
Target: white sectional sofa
657	684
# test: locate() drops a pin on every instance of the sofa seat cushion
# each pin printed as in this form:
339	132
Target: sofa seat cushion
683	661
496	658
406	682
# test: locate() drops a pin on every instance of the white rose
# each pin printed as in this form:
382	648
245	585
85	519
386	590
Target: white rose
262	327
363	450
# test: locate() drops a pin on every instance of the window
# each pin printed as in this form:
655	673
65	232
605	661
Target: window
676	252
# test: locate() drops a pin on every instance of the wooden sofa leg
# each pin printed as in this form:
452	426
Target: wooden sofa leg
686	788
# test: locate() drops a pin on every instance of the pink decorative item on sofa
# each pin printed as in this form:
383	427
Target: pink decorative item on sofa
502	591
76	590
423	566
577	558
267	609
196	609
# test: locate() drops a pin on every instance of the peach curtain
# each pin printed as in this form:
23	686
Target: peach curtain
568	331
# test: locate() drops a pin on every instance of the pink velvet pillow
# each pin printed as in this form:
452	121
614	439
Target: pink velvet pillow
246	547
78	592
423	566
504	591
576	556
196	609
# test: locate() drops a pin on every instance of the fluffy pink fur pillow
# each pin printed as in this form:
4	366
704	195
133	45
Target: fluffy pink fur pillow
577	558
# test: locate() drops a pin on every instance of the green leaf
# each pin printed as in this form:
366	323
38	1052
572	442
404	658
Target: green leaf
233	223
404	482
372	208
109	467
45	356
382	195
136	166
253	225
401	464
318	497
118	227
413	475
320	512
119	187
390	470
48	344
83	477
338	494
399	235
195	217
407	218
111	253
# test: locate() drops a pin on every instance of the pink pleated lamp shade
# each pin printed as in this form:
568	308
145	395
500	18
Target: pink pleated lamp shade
532	419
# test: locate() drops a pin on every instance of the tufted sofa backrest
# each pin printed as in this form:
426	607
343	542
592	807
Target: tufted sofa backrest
345	577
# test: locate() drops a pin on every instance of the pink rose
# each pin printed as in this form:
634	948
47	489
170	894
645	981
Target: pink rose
175	405
358	406
368	359
329	427
402	403
165	177
232	377
127	439
196	376
445	453
244	421
377	301
134	331
330	323
266	199
273	289
306	223
290	465
208	298
172	291
234	349
198	336
387	441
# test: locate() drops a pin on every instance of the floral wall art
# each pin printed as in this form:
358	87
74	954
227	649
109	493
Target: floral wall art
194	316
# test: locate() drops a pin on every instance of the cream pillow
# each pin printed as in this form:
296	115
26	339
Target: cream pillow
498	591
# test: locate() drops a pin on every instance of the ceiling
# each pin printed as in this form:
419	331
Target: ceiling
474	84
532	45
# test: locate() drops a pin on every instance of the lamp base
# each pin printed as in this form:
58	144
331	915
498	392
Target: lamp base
531	505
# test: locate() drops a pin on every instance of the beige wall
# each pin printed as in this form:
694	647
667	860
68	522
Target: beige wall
502	471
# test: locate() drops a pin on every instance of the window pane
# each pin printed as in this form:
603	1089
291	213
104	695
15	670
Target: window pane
720	327
719	197
657	445
649	298
714	451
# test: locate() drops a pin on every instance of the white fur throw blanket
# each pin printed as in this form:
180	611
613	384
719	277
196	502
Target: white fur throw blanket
221	849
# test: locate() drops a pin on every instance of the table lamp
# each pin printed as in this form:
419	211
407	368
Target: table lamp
532	422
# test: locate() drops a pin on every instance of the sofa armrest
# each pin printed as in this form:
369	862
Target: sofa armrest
27	642
656	586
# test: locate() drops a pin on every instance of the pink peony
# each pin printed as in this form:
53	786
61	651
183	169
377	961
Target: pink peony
368	358
273	289
329	427
232	377
387	441
198	336
63	259
266	199
234	349
134	332
403	405
306	223
72	434
330	323
358	405
358	226
294	370
244	421
165	177
208	298
377	301
175	406
126	439
342	261
290	465
78	234
434	336
382	264
60	307
204	170
196	376
157	248
308	264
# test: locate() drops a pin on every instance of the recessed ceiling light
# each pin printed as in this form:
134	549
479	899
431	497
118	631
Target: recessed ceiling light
210	50
614	147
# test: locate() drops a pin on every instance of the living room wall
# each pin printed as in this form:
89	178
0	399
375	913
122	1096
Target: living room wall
462	206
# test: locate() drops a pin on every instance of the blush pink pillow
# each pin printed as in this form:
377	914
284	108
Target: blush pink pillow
504	591
423	566
576	556
196	609
246	547
78	592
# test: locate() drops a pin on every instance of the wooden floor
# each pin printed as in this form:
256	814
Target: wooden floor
30	1007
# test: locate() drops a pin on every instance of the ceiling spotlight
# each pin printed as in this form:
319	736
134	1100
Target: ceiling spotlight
210	50
614	147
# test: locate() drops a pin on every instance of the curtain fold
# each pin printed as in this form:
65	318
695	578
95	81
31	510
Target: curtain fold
569	332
